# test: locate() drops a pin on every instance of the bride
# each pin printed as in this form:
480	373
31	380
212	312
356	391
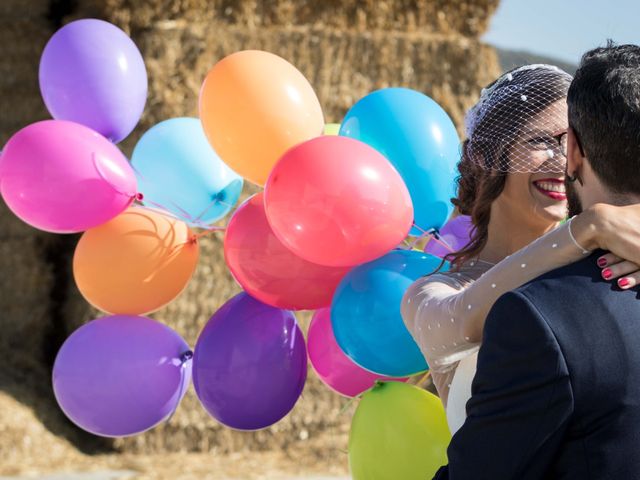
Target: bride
511	183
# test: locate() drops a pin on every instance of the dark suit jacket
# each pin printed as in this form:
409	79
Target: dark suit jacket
557	390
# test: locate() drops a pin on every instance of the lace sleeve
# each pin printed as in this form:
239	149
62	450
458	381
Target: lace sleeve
446	318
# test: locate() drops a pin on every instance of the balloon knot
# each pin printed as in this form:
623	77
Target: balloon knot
139	196
186	356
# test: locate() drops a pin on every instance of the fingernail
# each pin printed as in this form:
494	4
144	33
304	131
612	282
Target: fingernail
602	262
606	273
623	282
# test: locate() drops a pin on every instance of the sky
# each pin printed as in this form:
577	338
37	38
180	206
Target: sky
563	29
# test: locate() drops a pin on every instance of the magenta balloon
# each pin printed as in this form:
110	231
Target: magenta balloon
63	177
453	236
250	364
334	368
92	73
121	375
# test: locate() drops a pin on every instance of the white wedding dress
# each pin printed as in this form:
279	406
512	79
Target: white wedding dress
440	310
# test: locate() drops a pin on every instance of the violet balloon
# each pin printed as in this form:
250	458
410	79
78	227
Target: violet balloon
453	236
335	369
250	364
121	375
63	177
92	73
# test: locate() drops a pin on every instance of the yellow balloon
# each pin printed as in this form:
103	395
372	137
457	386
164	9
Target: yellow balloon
331	129
399	431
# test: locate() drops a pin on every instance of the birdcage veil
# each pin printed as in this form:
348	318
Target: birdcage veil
517	125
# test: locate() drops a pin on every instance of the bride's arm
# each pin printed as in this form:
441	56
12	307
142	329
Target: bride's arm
445	320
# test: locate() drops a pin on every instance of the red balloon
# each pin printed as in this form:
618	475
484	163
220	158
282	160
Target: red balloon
336	201
270	272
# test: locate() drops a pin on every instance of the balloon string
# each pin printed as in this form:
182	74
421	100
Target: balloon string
434	236
94	160
184	358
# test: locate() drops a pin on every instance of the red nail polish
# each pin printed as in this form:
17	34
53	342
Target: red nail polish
602	262
606	273
623	282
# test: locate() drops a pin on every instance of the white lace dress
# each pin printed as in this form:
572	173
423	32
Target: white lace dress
443	311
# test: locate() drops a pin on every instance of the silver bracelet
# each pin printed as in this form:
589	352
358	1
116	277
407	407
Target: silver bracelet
573	239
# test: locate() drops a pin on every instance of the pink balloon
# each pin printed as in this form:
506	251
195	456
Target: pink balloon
270	272
63	177
336	201
334	368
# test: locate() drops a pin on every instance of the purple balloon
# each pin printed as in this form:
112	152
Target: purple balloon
121	375
455	233
250	364
92	73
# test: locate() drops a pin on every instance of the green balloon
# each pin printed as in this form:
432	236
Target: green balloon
332	129
399	431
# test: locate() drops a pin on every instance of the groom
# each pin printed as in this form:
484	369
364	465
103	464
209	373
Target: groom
557	389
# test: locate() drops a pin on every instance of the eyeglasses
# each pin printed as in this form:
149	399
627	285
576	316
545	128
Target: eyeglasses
546	142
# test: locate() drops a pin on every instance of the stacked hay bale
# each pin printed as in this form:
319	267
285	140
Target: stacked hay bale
346	49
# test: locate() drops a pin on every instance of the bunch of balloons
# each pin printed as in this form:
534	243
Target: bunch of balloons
326	234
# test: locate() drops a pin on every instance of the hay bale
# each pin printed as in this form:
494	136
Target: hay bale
463	17
20	99
341	66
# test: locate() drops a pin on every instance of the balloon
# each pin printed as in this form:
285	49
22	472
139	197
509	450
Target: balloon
399	431
178	170
335	201
366	313
334	368
460	392
453	237
419	139
250	364
136	263
92	73
270	272
331	129
254	106
63	177
119	376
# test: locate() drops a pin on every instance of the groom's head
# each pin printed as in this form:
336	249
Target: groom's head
603	152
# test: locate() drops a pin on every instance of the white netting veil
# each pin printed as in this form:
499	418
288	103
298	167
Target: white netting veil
519	124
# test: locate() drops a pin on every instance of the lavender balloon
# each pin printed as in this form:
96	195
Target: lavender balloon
250	364
455	234
121	375
92	73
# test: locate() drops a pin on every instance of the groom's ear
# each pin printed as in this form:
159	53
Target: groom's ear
575	158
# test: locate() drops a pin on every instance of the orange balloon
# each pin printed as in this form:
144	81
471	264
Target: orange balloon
254	106
136	263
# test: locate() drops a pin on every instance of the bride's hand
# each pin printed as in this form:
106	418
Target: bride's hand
613	267
616	229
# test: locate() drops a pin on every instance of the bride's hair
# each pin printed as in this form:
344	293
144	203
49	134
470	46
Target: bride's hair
494	124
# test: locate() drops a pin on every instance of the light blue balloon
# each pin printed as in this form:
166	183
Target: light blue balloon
177	169
419	139
365	313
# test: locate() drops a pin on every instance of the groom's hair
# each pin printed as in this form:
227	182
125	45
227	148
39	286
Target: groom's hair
604	111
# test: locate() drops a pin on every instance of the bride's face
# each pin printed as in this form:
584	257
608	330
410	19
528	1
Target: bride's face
539	197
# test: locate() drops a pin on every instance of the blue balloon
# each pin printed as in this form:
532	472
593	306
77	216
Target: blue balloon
365	313
419	139
178	170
